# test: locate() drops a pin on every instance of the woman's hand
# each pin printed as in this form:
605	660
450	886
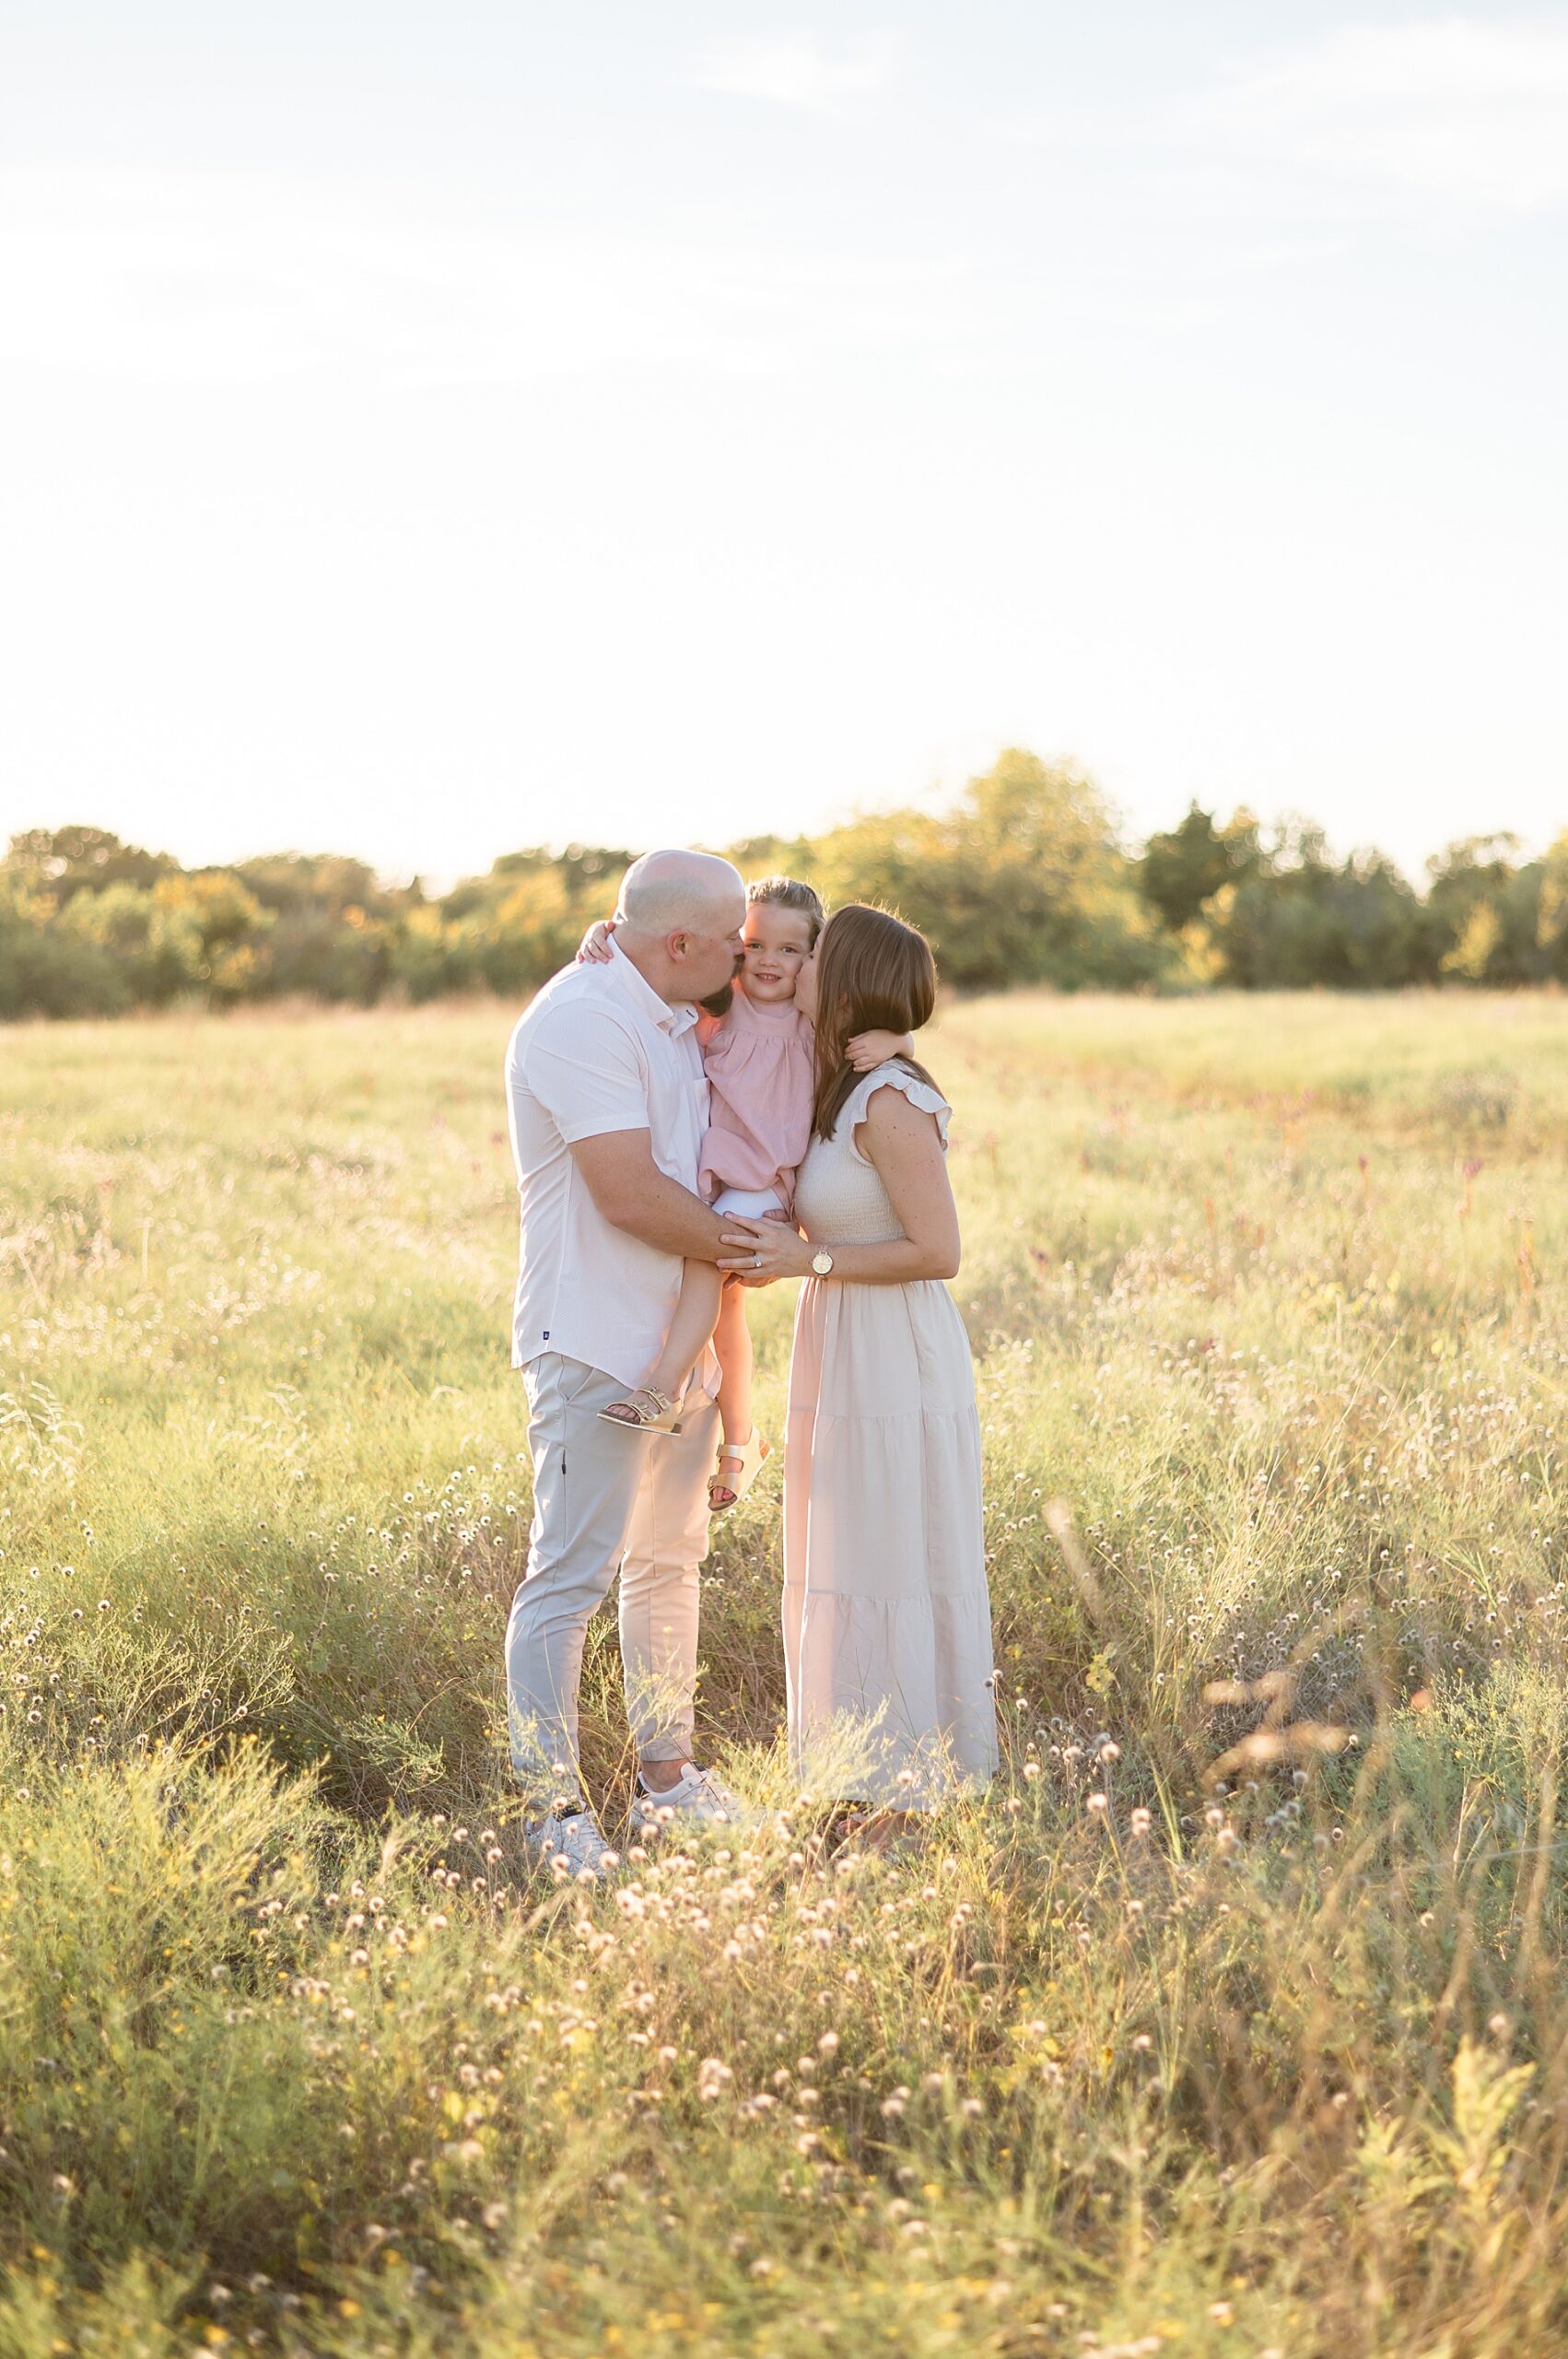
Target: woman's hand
869	1050
593	950
764	1250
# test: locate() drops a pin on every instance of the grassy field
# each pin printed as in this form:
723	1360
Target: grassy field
1235	2022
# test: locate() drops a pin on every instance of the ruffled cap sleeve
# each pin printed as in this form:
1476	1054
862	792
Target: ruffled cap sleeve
892	1077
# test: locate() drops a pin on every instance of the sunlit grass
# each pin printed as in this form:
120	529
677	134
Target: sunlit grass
295	2051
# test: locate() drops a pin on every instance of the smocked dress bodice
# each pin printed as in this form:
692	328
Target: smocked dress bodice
839	1197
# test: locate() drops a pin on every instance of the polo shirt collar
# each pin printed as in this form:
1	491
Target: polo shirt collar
674	1020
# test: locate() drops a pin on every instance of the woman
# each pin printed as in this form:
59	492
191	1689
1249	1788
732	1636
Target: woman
887	1635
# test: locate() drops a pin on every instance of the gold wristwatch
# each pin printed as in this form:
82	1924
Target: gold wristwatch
821	1263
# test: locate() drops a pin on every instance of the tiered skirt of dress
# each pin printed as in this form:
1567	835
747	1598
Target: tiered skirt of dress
887	1628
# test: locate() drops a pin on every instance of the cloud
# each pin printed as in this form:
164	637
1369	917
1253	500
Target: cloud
796	71
1455	107
211	279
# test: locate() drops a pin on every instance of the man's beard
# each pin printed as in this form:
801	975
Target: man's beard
720	1001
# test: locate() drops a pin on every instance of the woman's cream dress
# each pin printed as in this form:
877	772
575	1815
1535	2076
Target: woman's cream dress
887	1631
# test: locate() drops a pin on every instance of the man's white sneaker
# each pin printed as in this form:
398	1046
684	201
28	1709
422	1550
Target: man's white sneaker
572	1848
698	1798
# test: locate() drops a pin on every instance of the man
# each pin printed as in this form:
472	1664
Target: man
607	1104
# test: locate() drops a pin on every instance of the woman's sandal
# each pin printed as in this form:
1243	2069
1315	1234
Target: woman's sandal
646	1411
748	1457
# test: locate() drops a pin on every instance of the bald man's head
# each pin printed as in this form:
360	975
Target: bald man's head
681	892
680	920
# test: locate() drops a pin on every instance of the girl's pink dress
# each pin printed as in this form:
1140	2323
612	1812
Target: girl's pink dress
760	1077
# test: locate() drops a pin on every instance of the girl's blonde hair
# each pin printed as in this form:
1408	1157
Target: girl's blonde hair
789	893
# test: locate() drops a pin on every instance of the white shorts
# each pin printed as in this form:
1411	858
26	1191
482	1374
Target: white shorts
751	1204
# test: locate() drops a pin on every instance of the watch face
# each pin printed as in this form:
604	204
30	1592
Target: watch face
822	1263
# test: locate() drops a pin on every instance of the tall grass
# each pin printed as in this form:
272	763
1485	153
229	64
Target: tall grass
1235	2021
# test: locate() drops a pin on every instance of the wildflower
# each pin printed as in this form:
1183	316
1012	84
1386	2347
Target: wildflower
712	2074
1099	1804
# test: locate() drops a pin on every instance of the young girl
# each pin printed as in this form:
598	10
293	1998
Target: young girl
759	1061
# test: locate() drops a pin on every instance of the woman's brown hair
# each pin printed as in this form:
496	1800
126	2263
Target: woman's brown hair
873	974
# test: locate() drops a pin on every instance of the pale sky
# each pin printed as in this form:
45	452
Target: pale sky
427	429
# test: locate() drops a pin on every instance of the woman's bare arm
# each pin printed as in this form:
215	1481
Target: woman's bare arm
905	1144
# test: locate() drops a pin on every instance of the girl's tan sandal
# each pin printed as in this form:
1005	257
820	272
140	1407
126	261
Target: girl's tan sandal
646	1411
748	1457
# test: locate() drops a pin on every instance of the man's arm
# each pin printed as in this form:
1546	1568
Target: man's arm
633	1194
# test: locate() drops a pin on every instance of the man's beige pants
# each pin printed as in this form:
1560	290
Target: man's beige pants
606	1501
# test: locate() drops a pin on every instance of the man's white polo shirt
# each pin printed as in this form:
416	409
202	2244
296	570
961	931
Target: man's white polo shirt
598	1050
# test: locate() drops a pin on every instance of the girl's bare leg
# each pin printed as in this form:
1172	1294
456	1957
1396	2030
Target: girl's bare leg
743	1450
696	1314
733	1341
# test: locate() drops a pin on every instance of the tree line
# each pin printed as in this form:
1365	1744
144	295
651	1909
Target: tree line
1023	879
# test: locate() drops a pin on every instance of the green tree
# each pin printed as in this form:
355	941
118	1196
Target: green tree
1022	881
46	971
156	947
1188	864
1483	913
230	926
67	861
1299	919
